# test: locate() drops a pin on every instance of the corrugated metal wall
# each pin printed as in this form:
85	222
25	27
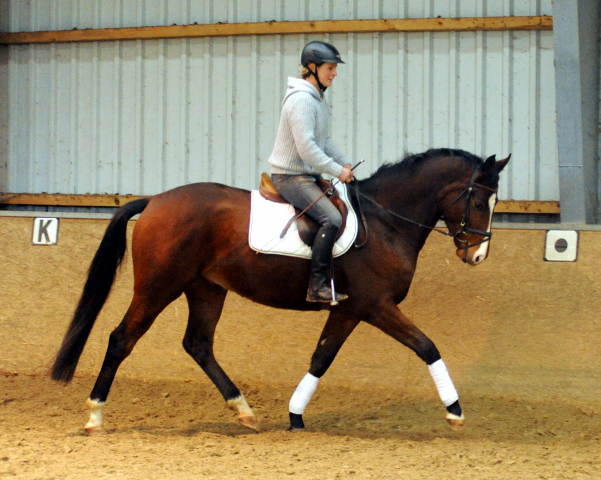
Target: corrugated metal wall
141	117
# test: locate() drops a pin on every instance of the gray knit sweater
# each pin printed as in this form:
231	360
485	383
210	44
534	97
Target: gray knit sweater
303	143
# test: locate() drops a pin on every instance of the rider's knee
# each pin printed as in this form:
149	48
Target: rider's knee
334	220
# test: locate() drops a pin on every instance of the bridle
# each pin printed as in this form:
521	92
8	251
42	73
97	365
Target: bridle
464	227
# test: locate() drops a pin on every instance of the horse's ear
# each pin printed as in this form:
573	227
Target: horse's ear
501	163
489	166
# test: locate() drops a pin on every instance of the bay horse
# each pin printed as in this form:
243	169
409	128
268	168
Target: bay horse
194	240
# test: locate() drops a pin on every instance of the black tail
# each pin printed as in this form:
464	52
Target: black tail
101	275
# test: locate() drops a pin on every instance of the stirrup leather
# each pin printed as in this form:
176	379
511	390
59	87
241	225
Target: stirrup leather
307	227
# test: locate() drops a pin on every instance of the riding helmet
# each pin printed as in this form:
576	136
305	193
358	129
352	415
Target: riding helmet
319	53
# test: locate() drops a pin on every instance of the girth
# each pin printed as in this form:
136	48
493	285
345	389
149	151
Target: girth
307	227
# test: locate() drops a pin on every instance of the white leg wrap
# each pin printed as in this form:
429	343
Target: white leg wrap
303	393
443	382
95	413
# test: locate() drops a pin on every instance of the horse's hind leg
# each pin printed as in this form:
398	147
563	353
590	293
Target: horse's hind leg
334	334
205	303
136	322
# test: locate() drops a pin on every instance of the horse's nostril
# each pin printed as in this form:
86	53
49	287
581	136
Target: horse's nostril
477	259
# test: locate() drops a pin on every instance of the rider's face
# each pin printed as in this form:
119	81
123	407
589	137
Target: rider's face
327	73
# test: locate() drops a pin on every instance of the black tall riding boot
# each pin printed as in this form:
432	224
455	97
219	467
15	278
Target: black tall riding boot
319	281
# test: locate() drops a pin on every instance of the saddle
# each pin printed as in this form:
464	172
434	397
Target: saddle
307	227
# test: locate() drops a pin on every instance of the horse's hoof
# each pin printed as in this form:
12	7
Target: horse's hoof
95	430
456	423
296	422
250	422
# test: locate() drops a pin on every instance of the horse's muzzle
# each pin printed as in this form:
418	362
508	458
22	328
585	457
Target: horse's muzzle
473	256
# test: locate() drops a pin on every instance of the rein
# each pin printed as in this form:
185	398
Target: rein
464	227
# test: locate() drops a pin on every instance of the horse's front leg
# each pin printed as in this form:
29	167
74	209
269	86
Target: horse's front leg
336	330
391	321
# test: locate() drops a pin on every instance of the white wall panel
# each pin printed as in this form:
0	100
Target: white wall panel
140	117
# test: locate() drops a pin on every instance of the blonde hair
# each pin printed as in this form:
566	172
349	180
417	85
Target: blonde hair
305	72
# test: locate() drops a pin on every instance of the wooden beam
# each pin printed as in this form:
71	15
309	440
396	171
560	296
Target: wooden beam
528	206
282	28
66	200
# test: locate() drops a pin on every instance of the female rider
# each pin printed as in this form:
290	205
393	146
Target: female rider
303	151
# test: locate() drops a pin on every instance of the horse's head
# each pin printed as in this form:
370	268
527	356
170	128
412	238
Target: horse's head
468	214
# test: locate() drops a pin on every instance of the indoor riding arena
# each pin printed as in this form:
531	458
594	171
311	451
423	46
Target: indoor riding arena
107	101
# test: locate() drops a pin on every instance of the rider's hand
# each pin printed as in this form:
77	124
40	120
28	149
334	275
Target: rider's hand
347	174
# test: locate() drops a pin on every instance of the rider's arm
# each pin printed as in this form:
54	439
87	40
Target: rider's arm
333	151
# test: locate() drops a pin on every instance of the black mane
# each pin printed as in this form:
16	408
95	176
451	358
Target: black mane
410	162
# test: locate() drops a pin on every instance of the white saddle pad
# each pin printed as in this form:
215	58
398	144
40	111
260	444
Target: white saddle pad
268	219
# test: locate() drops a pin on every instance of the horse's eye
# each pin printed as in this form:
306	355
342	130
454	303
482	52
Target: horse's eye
478	206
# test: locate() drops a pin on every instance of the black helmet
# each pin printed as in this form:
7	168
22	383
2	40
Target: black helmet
318	53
